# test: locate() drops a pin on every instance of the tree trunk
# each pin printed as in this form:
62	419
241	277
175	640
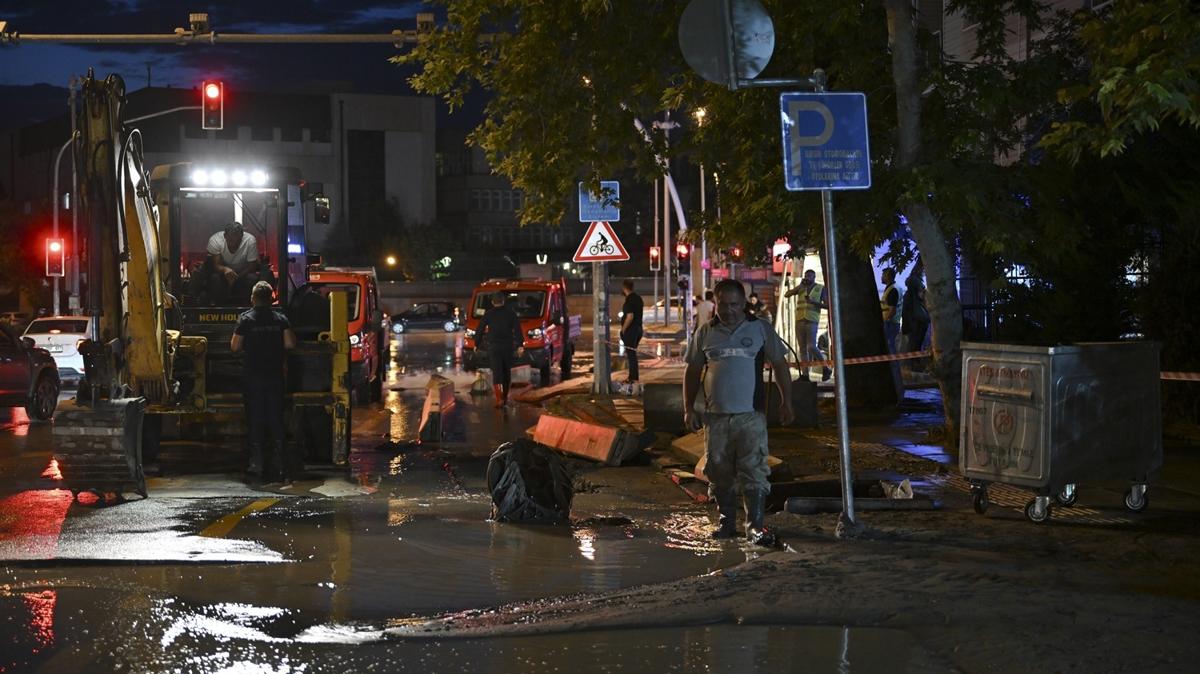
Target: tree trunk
870	385
941	297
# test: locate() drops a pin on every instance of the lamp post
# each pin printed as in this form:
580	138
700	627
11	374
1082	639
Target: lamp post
699	280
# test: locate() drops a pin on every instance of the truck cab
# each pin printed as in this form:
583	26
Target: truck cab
369	337
549	330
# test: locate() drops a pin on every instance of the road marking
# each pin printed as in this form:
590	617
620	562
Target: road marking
223	526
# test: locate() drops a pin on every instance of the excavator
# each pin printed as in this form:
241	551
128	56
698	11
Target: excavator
161	355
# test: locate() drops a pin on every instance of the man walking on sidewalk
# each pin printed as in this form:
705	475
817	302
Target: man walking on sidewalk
726	357
500	329
631	327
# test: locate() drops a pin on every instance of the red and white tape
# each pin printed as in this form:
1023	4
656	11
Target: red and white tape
866	359
1180	376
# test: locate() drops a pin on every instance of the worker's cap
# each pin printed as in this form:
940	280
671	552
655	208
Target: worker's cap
262	292
233	228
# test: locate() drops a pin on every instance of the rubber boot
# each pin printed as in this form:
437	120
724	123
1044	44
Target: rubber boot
498	391
726	515
756	509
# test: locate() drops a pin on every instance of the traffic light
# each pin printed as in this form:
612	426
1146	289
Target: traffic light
736	253
655	258
681	251
212	105
56	257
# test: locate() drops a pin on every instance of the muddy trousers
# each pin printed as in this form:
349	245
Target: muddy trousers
735	447
264	424
501	361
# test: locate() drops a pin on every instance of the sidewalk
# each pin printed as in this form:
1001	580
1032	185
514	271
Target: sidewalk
905	441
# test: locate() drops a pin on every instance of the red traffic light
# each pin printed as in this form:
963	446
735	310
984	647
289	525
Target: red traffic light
682	251
212	105
655	258
56	257
736	252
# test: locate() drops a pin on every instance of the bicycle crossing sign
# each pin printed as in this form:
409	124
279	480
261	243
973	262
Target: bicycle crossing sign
600	244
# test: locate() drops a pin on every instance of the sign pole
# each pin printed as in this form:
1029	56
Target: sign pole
847	518
600	374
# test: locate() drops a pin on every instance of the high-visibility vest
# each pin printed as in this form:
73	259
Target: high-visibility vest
811	312
883	305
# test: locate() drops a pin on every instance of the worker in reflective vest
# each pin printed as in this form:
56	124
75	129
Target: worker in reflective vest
811	301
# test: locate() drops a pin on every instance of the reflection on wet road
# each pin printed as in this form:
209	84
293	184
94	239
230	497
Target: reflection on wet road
403	532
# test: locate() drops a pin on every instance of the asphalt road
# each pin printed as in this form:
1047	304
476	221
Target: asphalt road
209	574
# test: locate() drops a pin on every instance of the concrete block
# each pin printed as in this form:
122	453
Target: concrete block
439	399
606	444
522	374
804	403
662	408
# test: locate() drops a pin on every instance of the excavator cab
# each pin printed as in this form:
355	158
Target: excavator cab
198	203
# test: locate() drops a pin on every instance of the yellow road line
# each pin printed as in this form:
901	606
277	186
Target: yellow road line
223	526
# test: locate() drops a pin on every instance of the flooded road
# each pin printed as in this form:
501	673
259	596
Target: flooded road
211	575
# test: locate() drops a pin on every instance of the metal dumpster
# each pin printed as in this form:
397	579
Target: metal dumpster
1051	417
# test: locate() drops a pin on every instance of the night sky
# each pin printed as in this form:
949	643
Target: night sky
299	68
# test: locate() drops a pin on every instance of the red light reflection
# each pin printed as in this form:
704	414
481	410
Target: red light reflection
41	619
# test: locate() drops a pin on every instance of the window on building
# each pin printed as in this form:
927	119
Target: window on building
476	201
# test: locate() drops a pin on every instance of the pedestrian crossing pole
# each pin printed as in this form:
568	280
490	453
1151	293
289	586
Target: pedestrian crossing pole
601	378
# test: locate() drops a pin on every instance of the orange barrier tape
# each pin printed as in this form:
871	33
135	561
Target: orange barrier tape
866	359
1181	376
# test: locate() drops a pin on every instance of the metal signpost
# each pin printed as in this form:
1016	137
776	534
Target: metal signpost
825	148
600	246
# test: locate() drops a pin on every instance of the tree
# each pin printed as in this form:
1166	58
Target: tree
954	145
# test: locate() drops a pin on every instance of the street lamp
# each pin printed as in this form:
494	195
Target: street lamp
698	265
391	260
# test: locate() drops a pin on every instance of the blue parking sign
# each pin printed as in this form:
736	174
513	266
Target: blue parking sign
825	141
596	208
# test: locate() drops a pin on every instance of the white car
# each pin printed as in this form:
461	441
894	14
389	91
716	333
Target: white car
60	335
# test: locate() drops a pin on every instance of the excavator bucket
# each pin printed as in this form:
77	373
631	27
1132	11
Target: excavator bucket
98	448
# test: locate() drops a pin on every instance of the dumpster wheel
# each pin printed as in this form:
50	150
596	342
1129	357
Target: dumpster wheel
1038	509
1067	496
1136	498
979	500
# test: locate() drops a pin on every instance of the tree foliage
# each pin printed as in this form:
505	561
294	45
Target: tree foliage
1050	160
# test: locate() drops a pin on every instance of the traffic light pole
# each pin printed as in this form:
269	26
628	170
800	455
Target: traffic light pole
57	198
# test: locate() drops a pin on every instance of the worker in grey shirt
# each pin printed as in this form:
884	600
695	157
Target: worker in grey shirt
726	356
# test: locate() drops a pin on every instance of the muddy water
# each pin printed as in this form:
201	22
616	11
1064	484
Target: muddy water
412	538
231	637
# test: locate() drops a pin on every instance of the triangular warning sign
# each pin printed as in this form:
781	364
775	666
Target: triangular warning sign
600	244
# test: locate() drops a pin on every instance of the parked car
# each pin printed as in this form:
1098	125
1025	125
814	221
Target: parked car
436	315
60	336
28	375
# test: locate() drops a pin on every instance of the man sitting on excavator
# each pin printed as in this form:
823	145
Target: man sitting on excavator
232	267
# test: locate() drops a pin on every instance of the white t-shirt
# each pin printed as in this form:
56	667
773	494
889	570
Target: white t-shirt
239	259
704	312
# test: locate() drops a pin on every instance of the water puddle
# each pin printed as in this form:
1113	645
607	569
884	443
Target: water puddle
169	635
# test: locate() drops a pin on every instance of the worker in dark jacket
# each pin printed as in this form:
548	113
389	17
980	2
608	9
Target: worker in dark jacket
263	335
500	330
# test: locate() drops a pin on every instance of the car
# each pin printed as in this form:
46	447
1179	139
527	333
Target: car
443	315
28	375
60	336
